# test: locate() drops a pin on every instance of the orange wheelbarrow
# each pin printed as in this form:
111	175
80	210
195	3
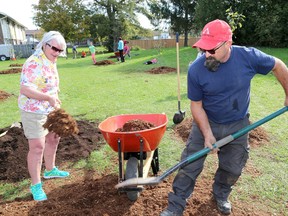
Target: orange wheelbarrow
135	147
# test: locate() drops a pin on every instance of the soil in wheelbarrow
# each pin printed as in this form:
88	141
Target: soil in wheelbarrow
135	125
89	192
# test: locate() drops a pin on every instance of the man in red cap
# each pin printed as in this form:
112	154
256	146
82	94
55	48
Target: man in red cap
219	91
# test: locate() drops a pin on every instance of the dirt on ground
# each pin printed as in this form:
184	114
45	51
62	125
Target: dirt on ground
104	62
88	192
161	70
16	68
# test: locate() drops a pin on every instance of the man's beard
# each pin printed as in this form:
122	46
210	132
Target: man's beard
211	64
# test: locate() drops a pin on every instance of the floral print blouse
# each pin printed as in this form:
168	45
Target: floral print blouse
39	73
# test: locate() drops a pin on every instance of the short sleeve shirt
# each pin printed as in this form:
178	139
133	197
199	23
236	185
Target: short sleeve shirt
225	94
39	73
92	49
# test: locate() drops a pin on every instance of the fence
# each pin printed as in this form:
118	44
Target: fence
23	50
163	43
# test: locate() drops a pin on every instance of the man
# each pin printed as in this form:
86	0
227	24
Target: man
219	90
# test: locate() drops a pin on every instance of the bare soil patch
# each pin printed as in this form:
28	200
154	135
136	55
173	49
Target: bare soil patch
105	62
87	192
11	71
4	95
161	70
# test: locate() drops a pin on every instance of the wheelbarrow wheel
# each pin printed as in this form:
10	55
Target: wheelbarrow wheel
132	172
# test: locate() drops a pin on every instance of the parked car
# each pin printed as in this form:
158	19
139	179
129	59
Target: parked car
6	51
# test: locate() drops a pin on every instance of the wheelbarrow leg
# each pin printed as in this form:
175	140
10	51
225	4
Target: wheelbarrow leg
120	160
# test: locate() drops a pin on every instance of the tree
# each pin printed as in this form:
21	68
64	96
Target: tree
265	20
120	15
178	13
66	16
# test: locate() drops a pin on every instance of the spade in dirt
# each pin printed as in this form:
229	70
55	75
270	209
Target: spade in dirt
179	115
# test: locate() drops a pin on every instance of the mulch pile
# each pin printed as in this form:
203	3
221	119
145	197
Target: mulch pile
135	125
4	95
161	70
105	62
11	71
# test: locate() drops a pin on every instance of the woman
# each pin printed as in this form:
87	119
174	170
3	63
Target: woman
92	51
39	88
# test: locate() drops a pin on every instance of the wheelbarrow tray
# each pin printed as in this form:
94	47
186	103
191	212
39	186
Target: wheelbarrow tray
130	141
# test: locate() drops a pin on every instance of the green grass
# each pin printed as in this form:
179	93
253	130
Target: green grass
97	92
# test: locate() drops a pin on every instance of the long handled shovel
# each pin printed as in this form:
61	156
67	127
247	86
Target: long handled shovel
197	155
179	115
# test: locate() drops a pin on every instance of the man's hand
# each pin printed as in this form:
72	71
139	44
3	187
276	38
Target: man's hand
209	144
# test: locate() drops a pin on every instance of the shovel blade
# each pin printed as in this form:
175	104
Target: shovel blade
138	181
178	117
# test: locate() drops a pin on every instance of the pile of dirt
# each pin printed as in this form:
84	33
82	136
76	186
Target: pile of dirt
4	95
257	137
161	70
16	65
11	71
135	125
105	62
14	149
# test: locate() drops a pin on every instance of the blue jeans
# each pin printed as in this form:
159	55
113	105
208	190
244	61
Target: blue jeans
232	159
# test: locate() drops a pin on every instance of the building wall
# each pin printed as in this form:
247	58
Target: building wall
11	31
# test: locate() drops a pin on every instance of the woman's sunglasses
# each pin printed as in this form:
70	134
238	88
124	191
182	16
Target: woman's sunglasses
212	51
54	48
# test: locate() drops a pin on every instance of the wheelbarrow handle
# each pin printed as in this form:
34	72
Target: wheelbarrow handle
223	142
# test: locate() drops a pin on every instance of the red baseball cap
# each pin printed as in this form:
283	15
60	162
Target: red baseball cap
213	34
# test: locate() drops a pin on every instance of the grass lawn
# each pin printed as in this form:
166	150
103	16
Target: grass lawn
97	92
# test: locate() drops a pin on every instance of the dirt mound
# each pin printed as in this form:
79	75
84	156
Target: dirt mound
161	70
16	65
104	62
11	71
4	95
257	137
14	149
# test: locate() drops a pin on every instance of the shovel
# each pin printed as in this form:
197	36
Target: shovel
197	155
179	115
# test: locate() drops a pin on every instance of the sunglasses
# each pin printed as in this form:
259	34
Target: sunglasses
54	48
212	51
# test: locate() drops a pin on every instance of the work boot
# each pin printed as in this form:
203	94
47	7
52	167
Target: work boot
169	213
224	206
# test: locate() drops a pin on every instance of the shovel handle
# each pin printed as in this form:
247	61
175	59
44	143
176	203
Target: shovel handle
178	66
222	142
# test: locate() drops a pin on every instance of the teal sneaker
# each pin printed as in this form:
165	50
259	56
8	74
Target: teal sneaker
55	173
37	192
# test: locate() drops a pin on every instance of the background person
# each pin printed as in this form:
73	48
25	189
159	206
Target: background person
126	51
120	49
39	88
219	93
83	54
74	50
92	51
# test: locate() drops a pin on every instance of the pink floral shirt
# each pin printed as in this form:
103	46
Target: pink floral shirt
40	73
